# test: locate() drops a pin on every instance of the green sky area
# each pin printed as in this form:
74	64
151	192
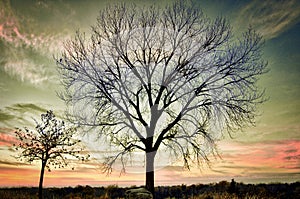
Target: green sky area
33	32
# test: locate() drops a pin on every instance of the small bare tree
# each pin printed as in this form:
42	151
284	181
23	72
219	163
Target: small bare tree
169	78
52	144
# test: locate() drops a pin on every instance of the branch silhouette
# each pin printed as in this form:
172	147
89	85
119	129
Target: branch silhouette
171	78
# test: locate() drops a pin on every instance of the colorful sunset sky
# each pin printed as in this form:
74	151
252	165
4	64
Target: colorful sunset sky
32	32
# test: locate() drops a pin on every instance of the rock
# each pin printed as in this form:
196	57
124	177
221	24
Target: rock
138	193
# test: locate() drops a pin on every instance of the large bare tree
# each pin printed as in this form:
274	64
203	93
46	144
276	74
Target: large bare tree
53	144
151	78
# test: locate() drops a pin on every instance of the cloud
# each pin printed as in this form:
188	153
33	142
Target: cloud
26	71
270	17
19	115
5	116
291	151
9	30
36	25
28	49
28	63
282	156
25	107
4	164
7	139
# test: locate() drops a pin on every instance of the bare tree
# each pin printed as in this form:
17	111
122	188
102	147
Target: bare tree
171	78
52	144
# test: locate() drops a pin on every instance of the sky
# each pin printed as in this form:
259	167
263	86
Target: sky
32	33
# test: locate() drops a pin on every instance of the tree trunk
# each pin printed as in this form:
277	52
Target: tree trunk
42	179
150	171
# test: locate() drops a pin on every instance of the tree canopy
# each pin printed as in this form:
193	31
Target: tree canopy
53	144
171	78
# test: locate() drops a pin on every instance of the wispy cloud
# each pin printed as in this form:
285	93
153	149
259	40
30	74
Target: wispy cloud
28	52
26	71
10	163
7	139
27	29
282	156
270	17
19	115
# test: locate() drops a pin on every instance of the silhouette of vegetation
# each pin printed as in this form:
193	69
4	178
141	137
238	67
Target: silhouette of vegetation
52	144
171	79
199	191
232	186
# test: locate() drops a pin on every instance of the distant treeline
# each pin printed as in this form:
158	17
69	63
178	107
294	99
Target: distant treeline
222	189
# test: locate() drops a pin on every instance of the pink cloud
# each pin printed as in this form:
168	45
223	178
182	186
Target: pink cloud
268	156
8	138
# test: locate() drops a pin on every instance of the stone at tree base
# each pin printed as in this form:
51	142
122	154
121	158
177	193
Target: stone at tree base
138	193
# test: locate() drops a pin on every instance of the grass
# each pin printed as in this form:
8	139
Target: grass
221	190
